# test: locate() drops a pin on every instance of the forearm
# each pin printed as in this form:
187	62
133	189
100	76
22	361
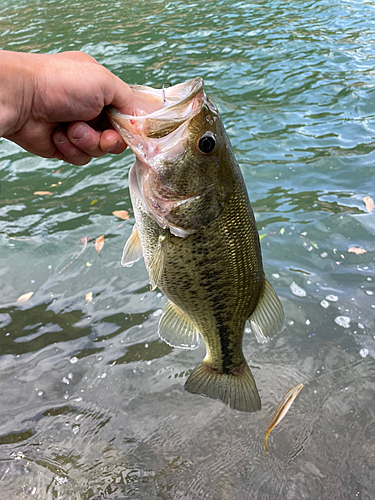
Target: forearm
16	90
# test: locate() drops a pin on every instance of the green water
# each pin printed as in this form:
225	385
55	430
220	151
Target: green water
92	404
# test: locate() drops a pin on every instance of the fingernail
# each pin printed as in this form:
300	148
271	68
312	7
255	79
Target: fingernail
113	147
80	133
61	138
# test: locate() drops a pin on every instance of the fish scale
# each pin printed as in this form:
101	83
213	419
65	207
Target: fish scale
220	283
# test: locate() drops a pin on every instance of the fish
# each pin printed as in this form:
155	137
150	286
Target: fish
195	229
281	410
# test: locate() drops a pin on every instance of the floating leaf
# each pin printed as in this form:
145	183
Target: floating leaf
93	202
88	264
282	410
99	243
357	250
282	231
25	297
369	203
88	297
43	193
314	245
122	214
261	236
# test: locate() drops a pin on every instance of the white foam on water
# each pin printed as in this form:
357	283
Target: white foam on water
297	290
343	321
332	298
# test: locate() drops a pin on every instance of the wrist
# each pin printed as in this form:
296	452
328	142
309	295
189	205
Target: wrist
16	90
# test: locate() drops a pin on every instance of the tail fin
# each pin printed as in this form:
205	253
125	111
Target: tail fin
237	389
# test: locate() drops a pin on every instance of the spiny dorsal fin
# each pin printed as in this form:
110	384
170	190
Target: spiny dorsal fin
157	262
268	316
176	329
132	250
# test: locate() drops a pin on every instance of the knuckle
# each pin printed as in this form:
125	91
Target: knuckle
79	161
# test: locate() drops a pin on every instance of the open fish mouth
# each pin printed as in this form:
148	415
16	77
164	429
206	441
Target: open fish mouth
158	129
166	102
176	137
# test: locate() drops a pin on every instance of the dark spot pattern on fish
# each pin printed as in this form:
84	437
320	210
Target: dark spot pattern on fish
226	352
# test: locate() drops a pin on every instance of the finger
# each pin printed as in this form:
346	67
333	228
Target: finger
85	138
94	142
71	153
112	142
122	96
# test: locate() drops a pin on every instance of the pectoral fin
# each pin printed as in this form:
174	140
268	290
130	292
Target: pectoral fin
157	262
176	329
268	316
132	250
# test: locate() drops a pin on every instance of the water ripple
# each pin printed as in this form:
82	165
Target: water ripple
95	406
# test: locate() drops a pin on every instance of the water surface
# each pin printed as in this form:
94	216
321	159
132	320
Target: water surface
92	404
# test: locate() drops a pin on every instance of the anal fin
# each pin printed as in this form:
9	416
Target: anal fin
132	250
268	316
176	329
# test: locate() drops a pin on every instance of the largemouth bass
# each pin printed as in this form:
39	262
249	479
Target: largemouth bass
195	228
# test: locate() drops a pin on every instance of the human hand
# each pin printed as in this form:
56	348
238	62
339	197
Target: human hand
59	105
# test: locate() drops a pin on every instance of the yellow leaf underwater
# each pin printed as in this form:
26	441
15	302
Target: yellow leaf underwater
357	250
369	203
122	214
282	410
99	243
25	297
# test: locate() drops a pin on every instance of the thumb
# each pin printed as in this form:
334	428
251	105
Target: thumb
122	96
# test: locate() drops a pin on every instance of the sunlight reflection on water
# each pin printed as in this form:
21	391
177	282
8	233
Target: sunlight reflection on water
93	403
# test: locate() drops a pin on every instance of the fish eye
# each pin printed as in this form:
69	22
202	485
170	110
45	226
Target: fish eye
206	143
